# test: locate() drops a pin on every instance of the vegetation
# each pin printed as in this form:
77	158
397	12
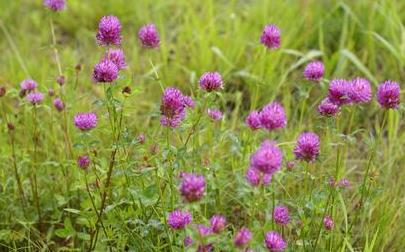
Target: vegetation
123	198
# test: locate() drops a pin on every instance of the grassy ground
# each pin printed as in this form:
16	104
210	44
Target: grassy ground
353	38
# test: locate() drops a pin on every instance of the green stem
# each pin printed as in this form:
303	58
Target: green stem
94	207
364	191
323	217
55	50
116	137
34	172
17	175
195	125
163	205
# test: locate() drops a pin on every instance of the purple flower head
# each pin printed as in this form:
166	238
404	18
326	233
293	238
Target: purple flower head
55	5
328	108
273	116
174	121
205	247
51	92
85	121
274	242
141	138
271	36
178	219
58	104
255	177
267	158
117	56
192	187
281	215
242	237
343	183
28	85
2	91
339	91
218	223
211	81
188	102
60	80
360	90
290	164
83	162
35	98
388	94
149	36
105	71
188	241
314	71
109	31
332	182
307	147
214	114
10	126
253	120
203	230
172	108
328	223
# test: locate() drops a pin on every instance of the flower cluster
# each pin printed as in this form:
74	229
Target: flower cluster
28	85
281	215
149	36
35	98
218	223
328	223
242	237
179	219
214	114
211	81
83	161
106	71
388	94
274	241
272	116
58	104
314	71
85	121
359	91
117	57
328	108
173	107
264	163
192	187
55	5
307	147
267	159
255	178
109	31
271	36
339	91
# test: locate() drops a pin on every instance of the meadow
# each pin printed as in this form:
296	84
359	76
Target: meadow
217	125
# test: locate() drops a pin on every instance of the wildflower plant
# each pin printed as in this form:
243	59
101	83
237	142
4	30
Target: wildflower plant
201	129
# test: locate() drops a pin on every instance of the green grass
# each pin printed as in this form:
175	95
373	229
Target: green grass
353	38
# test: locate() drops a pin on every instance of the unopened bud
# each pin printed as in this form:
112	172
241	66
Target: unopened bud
60	80
10	126
2	91
126	91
